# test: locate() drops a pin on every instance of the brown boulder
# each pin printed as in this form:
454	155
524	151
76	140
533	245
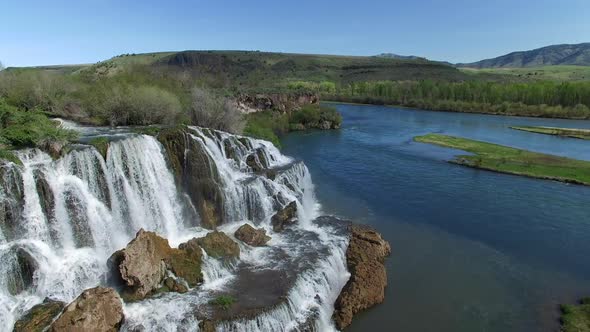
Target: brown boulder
219	245
284	217
96	309
39	317
252	236
141	266
366	287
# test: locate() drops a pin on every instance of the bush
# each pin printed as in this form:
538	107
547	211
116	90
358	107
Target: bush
223	301
29	128
208	110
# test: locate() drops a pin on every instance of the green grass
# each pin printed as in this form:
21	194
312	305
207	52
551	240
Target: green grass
20	128
566	132
223	301
513	161
576	318
552	73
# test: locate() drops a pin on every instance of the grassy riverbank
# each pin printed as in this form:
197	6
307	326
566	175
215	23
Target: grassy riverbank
576	318
565	132
505	159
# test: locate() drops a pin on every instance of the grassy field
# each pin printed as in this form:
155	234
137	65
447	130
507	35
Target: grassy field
576	318
565	132
504	159
551	73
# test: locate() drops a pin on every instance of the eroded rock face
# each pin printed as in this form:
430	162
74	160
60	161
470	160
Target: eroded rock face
39	317
11	200
277	102
219	245
368	278
196	173
252	236
96	309
284	217
140	268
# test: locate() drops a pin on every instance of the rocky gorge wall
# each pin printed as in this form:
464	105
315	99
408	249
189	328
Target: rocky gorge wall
63	223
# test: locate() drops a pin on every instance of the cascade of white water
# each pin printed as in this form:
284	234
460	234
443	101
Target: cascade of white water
88	209
79	209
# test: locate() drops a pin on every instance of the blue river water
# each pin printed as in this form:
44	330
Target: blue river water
472	250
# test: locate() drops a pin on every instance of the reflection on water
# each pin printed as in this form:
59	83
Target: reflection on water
472	250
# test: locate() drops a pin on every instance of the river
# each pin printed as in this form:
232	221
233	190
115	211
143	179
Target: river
472	250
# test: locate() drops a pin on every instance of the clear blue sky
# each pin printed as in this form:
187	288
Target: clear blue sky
85	31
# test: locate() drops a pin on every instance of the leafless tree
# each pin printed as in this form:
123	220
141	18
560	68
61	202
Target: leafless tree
211	111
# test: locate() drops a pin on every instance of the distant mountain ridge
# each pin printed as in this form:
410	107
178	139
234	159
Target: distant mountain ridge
397	56
564	54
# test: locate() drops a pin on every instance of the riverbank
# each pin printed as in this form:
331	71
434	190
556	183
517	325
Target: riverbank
564	132
509	160
576	318
507	109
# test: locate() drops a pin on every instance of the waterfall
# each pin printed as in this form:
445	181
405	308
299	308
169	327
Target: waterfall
61	219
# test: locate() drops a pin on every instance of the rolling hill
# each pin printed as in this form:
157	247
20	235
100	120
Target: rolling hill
565	54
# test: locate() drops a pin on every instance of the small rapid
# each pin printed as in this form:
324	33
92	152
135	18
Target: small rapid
61	219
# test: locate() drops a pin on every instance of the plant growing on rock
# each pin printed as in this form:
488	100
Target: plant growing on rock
223	301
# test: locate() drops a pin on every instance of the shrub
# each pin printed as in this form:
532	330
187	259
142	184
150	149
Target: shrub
208	110
223	301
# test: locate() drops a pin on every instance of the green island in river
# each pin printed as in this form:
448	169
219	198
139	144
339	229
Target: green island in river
509	160
565	132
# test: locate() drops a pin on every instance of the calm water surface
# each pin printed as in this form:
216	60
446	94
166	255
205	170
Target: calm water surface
472	250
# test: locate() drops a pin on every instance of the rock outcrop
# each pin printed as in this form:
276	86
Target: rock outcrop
11	200
219	245
21	270
141	267
96	309
284	217
278	102
39	317
195	172
366	286
252	236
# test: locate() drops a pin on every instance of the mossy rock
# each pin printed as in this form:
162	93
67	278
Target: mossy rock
39	317
101	144
219	245
185	262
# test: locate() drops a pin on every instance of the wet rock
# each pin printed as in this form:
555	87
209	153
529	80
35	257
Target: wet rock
284	217
252	236
140	268
195	172
207	325
39	317
185	262
21	270
140	265
11	200
219	245
54	148
76	210
261	156
173	285
96	309
253	163
366	287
